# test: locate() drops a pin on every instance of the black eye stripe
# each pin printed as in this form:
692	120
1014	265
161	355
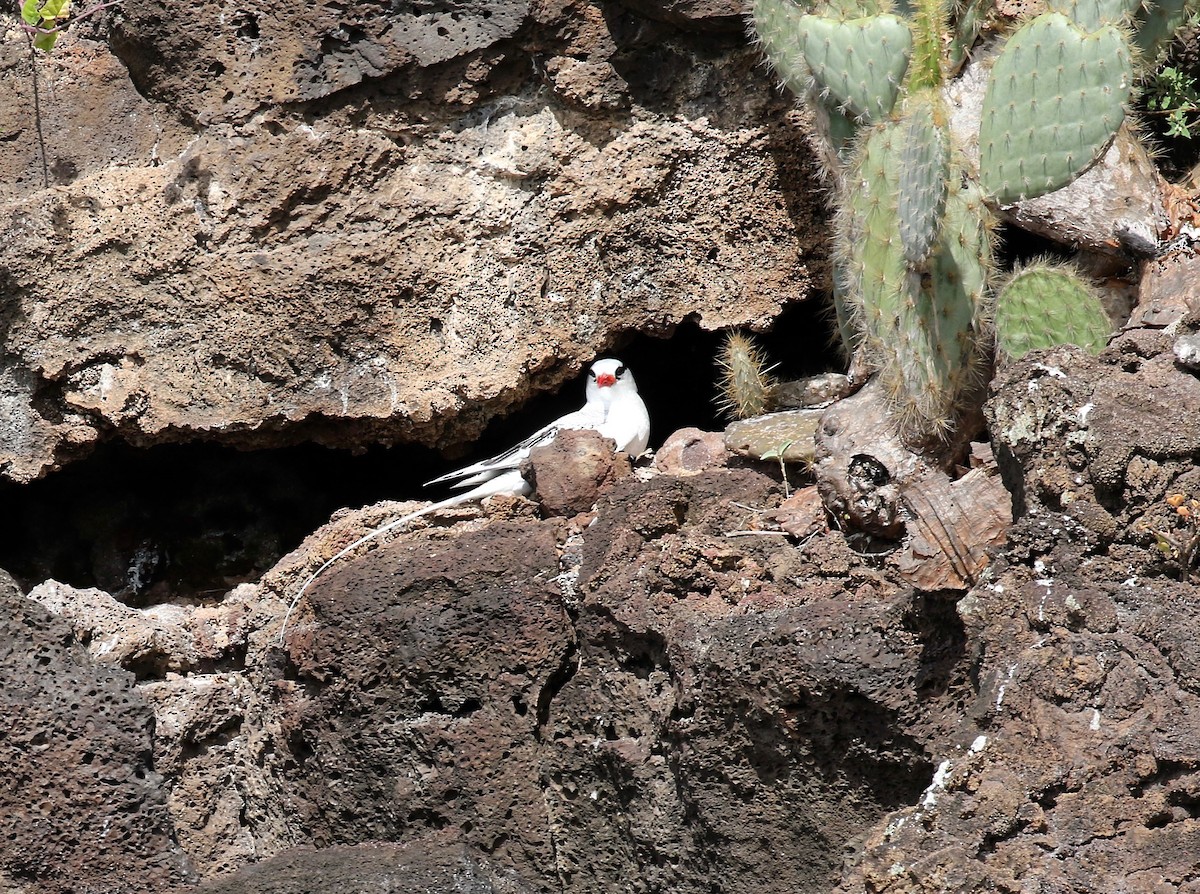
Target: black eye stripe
620	370
592	373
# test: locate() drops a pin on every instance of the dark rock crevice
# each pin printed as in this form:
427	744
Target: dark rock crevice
186	522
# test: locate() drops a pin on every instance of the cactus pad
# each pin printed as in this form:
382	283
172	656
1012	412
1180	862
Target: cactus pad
1055	99
775	24
1044	305
858	64
1090	15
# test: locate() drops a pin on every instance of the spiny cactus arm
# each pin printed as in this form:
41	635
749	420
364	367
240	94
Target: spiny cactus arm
968	18
923	329
849	326
943	337
930	23
923	175
838	130
744	379
1055	99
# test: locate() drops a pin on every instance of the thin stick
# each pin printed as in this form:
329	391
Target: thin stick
757	534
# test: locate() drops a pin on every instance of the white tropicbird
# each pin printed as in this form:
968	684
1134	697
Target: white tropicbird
613	408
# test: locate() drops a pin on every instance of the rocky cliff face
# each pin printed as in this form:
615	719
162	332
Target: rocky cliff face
667	694
393	223
385	223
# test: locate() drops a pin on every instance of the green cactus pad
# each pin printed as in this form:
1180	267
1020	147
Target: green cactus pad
858	64
924	171
1044	305
834	135
1055	98
929	25
1156	25
776	25
1090	15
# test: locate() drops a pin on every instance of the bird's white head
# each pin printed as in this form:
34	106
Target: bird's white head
608	379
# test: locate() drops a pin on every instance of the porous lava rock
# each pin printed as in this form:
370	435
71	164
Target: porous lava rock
1077	767
634	693
590	702
690	450
415	689
375	223
440	862
81	806
569	472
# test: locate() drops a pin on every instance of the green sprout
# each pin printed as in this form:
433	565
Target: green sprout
46	19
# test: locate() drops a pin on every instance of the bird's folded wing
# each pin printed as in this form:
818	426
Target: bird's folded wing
501	462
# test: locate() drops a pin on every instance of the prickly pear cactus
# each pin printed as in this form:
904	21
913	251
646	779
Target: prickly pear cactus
773	25
1043	305
1056	97
922	323
847	66
912	265
857	64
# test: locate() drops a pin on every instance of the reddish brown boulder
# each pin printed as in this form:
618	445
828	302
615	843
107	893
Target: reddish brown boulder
691	450
568	473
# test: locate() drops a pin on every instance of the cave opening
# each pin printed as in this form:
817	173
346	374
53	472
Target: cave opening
187	522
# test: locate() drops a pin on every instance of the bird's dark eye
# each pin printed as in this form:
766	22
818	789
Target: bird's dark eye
592	373
620	371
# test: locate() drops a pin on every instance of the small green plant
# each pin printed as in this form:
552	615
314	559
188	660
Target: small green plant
44	20
1172	94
